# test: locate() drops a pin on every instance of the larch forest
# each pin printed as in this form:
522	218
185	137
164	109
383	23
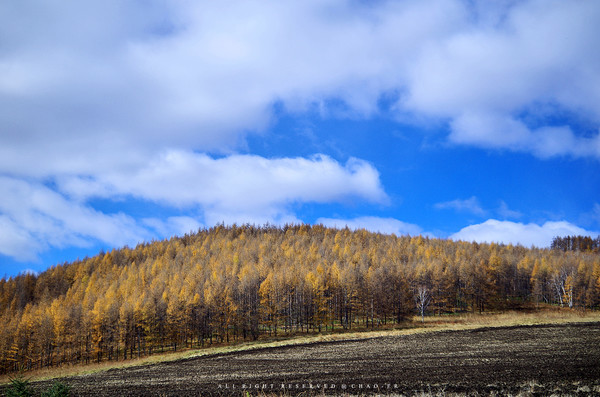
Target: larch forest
232	283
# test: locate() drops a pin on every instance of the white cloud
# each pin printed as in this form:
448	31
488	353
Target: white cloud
502	131
233	189
34	218
530	234
99	85
16	242
374	224
470	205
488	71
236	183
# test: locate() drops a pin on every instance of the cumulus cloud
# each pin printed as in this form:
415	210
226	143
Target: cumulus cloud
530	234
481	77
183	178
502	131
470	205
374	224
233	189
237	188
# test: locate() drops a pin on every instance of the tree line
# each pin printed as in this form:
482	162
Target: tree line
576	243
226	284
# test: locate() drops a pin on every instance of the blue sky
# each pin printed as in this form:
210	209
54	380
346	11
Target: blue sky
127	121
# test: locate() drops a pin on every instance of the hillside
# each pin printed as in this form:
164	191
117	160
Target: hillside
227	284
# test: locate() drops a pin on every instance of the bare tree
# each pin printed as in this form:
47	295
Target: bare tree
562	282
422	300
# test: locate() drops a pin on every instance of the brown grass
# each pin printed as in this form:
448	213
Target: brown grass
431	324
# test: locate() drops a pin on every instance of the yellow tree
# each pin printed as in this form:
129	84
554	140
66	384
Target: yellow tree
24	338
269	303
62	332
317	282
593	285
43	336
249	284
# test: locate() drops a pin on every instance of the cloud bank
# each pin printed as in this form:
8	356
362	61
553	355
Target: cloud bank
529	234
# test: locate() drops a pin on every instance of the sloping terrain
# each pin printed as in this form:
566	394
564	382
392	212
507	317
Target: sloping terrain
542	359
235	284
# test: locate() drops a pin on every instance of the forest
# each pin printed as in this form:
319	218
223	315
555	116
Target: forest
232	283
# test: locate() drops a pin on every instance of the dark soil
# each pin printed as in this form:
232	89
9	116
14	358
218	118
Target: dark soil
530	360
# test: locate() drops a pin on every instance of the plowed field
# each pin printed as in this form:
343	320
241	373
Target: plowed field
531	360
